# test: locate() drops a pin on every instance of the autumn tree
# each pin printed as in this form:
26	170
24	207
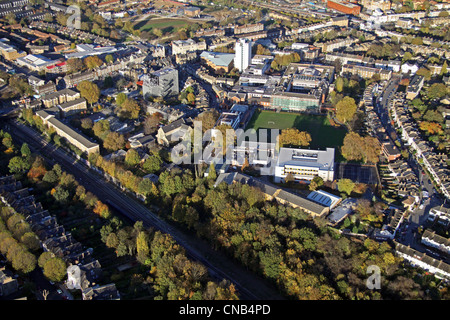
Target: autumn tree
102	210
294	137
358	148
114	141
120	98
132	158
129	109
92	62
346	185
89	90
345	109
208	119
55	269
151	122
142	247
101	129
75	65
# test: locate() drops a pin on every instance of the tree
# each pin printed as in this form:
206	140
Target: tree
87	123
114	141
346	185
294	137
212	174
24	261
55	269
431	127
444	68
346	109
351	148
75	65
18	164
89	91
315	183
151	122
109	58
142	247
371	149
60	194
132	158
191	98
101	129
102	210
153	163
339	84
157	32
129	109
120	98
25	151
437	91
93	62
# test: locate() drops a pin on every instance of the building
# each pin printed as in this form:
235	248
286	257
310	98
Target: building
192	11
414	87
218	61
9	52
184	46
173	132
384	5
234	117
161	83
105	292
442	214
324	198
60	97
63	130
85	50
35	62
8	285
366	72
431	239
304	164
243	54
248	28
418	259
344	6
73	106
272	192
298	102
71	80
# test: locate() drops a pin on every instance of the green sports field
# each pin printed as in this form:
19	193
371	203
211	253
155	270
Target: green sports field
161	23
323	134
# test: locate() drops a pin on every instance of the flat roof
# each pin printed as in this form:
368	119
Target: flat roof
322	159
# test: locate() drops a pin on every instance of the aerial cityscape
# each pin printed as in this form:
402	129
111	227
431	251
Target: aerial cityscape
225	150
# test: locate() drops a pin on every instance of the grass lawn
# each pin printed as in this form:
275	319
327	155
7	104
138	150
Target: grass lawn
164	24
323	135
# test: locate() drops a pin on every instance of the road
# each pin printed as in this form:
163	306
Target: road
248	284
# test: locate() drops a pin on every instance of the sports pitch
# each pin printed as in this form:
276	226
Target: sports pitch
323	134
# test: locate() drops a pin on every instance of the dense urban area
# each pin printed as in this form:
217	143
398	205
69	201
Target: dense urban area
333	117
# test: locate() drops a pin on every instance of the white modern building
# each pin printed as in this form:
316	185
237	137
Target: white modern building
304	164
243	54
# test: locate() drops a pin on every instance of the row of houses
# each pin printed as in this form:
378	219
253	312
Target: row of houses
435	163
55	239
418	259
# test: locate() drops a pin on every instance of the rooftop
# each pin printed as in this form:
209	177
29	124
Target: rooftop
322	159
